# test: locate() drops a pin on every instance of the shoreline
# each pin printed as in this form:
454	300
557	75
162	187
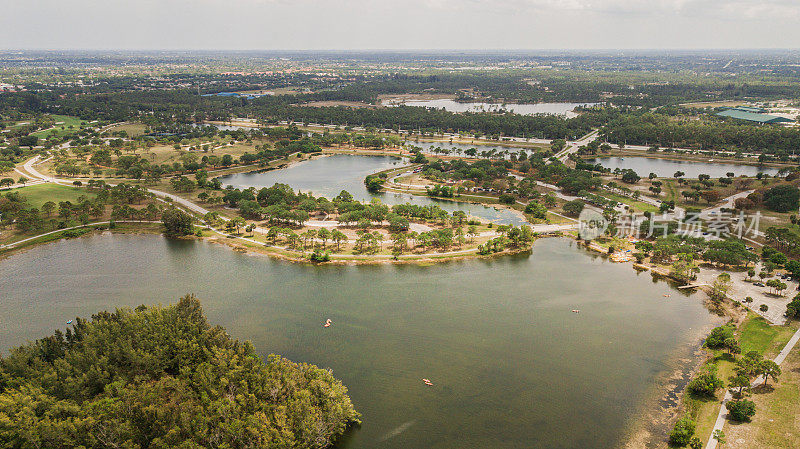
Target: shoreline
661	403
692	158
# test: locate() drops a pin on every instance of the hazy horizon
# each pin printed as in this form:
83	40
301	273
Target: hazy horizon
418	25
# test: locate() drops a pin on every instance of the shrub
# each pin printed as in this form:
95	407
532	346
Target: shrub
793	308
741	410
682	433
506	198
705	384
176	222
716	339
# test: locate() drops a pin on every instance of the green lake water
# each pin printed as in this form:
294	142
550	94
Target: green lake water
512	366
329	175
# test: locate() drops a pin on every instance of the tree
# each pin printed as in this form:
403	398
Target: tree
237	223
171	388
574	208
48	208
749	365
739	381
22	180
630	177
782	198
719	335
741	410
720	287
338	237
793	308
719	435
769	369
536	209
706	384
324	234
682	433
176	222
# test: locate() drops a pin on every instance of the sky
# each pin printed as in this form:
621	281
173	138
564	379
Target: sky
398	24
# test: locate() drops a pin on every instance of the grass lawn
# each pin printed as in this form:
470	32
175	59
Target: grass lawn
42	193
133	129
775	423
638	206
755	334
62	126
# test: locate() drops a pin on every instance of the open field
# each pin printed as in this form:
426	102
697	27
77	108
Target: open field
755	334
133	129
42	193
64	124
775	425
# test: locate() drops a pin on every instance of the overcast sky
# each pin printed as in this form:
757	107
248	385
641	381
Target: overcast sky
398	24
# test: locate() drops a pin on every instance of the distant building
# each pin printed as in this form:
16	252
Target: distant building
755	115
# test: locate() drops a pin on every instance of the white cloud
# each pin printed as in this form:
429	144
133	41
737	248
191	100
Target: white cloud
728	9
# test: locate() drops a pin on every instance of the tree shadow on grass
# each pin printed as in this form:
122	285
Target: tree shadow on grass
762	389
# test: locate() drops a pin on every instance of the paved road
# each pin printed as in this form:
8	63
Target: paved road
573	146
720	423
19	242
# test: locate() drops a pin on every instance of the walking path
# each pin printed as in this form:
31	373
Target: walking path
720	423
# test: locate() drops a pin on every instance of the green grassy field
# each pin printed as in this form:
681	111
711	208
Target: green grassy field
62	126
638	206
42	193
133	129
755	334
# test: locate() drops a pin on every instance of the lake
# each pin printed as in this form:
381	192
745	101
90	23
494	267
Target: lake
565	109
666	168
512	366
329	175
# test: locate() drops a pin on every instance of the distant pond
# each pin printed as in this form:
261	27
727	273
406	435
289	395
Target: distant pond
327	176
666	168
566	109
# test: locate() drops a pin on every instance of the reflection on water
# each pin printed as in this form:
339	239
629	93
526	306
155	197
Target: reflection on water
327	176
667	167
565	109
512	366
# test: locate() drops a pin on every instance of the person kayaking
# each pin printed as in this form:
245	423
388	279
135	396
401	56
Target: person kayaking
327	323
427	382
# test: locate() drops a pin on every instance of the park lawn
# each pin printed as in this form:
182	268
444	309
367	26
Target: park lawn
755	334
42	193
557	219
133	129
758	335
638	206
62	126
775	423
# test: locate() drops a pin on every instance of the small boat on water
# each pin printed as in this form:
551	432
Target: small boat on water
666	296
576	311
69	322
327	323
427	382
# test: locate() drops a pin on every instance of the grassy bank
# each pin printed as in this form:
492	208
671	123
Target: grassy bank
755	334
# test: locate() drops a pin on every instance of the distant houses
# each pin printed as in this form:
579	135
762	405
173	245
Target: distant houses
755	115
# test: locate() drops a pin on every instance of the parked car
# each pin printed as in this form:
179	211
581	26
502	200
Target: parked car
759	284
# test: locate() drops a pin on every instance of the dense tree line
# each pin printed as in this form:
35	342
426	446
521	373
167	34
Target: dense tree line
708	134
163	377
